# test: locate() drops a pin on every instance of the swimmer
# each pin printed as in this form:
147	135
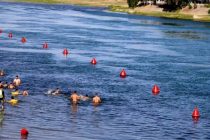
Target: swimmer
84	98
13	101
15	93
17	81
2	95
2	73
96	99
25	92
74	97
56	92
11	86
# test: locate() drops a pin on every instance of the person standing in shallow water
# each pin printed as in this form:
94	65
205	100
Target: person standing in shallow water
2	96
74	97
17	81
96	100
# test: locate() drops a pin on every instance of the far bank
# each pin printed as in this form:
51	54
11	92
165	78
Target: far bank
198	14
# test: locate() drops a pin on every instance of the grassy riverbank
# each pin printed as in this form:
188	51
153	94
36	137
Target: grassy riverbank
199	14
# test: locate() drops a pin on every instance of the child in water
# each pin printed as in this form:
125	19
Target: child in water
15	93
13	101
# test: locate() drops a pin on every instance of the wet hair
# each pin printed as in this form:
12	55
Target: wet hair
75	91
12	97
86	95
16	89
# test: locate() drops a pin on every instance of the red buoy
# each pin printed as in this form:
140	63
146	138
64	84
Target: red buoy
123	74
65	52
24	131
196	113
155	90
10	35
93	61
45	45
23	40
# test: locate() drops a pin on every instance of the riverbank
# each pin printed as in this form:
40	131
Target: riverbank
98	3
198	14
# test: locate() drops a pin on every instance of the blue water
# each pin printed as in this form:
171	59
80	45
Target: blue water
174	54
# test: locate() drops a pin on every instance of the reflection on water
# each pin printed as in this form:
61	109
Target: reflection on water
171	24
185	34
1	118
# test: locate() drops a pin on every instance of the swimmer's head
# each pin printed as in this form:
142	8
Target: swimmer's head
86	95
75	91
12	97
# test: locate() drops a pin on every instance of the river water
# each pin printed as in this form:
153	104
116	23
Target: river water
173	54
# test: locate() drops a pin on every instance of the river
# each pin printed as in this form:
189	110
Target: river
174	54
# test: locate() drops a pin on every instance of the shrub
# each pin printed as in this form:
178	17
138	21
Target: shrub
207	5
189	6
195	6
132	3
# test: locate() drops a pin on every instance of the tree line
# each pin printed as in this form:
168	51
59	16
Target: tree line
170	4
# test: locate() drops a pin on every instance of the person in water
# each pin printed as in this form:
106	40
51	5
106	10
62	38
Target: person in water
15	93
2	96
2	73
13	101
96	99
56	92
25	92
84	98
11	86
74	97
17	81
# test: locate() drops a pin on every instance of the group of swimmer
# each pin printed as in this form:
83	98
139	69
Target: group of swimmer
13	89
75	98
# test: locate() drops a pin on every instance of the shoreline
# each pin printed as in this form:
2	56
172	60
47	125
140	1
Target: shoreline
169	15
121	6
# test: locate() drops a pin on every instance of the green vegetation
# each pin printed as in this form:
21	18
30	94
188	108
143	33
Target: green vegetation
132	3
190	6
195	6
207	5
209	11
